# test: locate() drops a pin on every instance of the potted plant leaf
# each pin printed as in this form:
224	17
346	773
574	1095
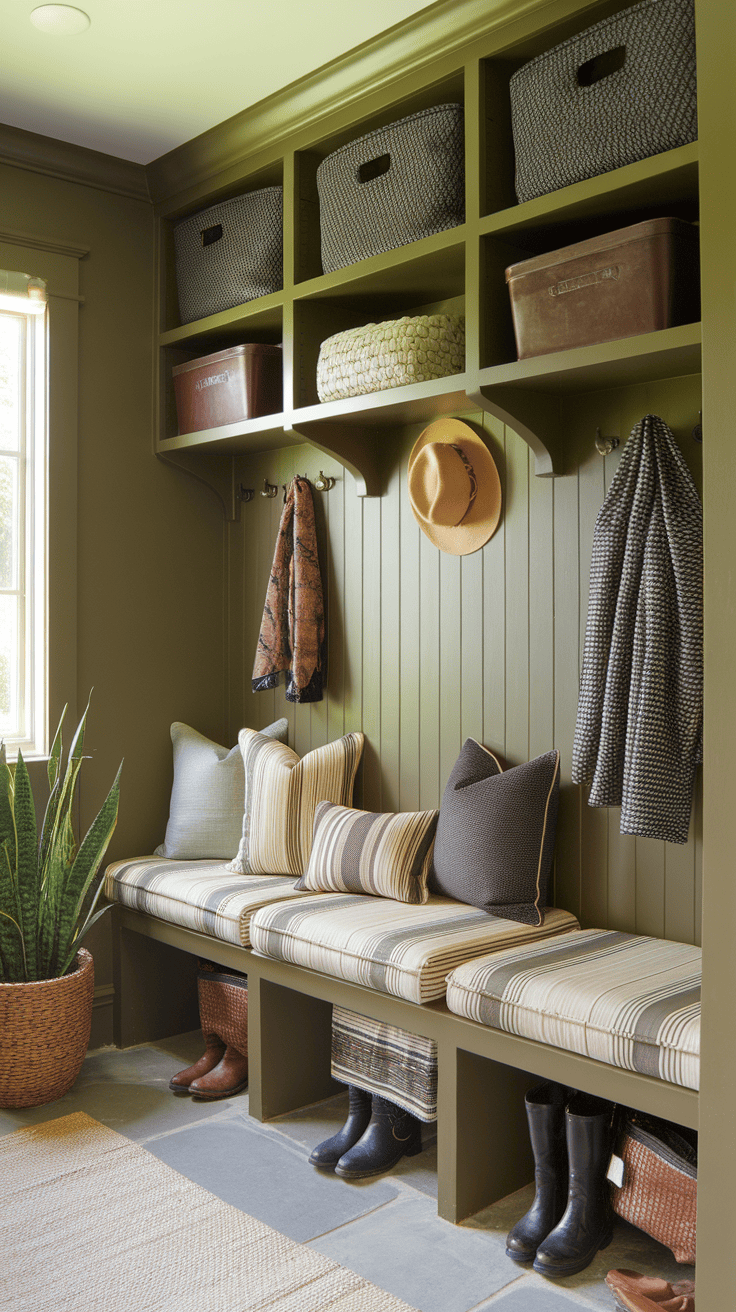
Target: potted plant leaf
49	890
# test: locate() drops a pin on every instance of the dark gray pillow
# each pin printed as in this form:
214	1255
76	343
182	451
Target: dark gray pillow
496	834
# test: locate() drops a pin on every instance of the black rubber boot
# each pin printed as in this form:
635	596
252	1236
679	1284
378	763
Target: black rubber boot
391	1134
587	1224
545	1112
327	1154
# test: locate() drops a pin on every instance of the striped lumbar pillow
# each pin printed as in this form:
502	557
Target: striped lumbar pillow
363	852
282	794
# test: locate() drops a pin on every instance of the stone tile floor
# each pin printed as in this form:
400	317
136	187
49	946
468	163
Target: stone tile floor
386	1228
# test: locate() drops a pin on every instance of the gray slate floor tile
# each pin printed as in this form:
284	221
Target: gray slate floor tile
527	1296
406	1249
264	1175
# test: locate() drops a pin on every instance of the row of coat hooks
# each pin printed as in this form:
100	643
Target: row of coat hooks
605	445
322	484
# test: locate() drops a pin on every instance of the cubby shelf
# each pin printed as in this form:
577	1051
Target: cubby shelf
247	435
530	394
429	270
263	315
660	182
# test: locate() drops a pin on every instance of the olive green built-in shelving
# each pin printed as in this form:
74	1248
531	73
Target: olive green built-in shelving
460	270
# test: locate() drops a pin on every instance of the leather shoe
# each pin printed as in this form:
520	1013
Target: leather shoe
637	1293
392	1133
228	1077
213	1053
328	1153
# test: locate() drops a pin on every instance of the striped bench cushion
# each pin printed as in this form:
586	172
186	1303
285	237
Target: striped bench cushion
394	947
199	895
624	999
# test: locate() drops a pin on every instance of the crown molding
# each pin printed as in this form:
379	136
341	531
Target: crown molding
62	159
439	32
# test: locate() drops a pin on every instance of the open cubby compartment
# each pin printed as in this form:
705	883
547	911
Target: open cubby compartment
317	319
270	176
663	189
497	163
307	244
236	327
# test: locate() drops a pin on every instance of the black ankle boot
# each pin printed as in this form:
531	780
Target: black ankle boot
587	1224
545	1111
391	1134
327	1154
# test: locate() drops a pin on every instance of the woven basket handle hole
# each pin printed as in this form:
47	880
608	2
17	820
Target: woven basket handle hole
211	235
374	168
601	66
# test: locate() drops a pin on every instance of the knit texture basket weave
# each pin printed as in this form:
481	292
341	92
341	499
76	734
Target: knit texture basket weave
659	1191
392	186
230	253
380	355
45	1027
223	1007
620	91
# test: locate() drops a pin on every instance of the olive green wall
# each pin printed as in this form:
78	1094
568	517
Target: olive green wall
426	649
149	628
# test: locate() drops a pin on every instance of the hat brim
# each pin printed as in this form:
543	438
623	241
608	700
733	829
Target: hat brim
484	515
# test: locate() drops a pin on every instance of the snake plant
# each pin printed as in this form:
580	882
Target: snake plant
49	888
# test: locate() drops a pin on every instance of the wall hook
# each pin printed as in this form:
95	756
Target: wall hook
698	429
245	493
324	482
269	489
605	445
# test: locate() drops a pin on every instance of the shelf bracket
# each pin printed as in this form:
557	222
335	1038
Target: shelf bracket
351	446
535	416
216	472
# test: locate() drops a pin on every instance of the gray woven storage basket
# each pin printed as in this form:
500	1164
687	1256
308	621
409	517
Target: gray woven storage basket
392	186
392	354
618	92
229	253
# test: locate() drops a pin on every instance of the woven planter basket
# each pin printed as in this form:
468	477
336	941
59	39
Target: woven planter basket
381	355
45	1028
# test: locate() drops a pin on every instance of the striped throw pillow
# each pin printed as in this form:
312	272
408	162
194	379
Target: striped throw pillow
364	852
282	794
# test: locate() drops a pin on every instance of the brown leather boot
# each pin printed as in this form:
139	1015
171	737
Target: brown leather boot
229	1076
213	1053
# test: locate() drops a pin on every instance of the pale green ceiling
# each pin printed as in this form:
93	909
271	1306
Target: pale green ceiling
150	74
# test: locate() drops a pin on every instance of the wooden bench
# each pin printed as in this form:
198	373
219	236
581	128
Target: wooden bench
483	1148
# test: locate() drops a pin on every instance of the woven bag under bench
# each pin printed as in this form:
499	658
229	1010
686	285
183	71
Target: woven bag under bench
381	355
618	92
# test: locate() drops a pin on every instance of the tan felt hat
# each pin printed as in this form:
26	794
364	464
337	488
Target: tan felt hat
454	488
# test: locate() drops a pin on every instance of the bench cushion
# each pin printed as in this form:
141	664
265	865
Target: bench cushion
390	946
199	895
624	999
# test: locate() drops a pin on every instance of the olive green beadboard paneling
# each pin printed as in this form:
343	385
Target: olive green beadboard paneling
426	649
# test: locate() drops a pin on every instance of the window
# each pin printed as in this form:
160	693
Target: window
23	512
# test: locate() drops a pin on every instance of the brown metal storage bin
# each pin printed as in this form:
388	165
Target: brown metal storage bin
242	382
634	280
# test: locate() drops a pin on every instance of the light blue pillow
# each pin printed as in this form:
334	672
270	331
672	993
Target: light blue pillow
208	795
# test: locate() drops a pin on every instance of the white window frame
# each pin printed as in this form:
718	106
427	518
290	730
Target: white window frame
30	733
57	264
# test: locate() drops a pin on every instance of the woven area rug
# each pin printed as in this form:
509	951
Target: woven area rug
92	1221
